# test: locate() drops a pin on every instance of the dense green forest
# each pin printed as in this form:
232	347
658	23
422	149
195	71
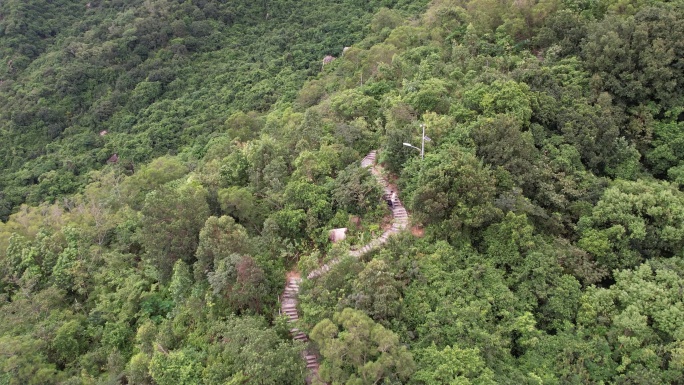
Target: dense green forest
165	164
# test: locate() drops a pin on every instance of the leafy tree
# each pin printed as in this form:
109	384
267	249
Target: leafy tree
242	282
501	142
250	350
241	203
181	282
243	126
176	367
665	157
356	350
356	191
157	173
172	220
451	366
458	194
500	97
352	104
376	291
69	342
634	221
636	58
620	332
219	239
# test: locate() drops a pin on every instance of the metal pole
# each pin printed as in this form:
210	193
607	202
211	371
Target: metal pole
422	143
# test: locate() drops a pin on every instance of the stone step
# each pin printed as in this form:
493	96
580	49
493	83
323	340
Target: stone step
312	366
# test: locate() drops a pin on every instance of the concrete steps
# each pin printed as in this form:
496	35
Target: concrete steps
399	215
400	220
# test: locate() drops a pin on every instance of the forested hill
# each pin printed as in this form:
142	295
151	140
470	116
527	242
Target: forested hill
547	235
159	76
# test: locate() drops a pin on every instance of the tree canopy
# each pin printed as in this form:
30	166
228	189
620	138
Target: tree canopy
167	166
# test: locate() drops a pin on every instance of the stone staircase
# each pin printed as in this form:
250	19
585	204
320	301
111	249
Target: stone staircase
289	297
399	222
288	306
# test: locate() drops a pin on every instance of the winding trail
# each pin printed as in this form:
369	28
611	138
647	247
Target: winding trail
289	297
399	215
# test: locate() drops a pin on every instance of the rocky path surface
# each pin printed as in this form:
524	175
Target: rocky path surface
289	297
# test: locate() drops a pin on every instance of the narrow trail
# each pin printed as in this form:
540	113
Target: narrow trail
399	215
289	297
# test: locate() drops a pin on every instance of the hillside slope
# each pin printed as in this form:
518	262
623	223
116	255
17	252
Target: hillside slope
547	216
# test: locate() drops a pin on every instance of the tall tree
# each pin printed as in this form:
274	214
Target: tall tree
358	351
172	219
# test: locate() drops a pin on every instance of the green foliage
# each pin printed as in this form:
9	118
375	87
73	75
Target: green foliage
356	191
159	78
636	58
177	367
634	221
172	219
459	192
356	350
159	172
665	157
500	98
219	239
376	291
250	350
548	246
452	366
353	104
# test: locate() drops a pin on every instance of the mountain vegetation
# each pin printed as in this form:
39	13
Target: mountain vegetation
166	163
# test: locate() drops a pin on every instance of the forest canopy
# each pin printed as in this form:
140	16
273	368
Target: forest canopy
167	165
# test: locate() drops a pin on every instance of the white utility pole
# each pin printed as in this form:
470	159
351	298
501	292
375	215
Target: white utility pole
422	143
